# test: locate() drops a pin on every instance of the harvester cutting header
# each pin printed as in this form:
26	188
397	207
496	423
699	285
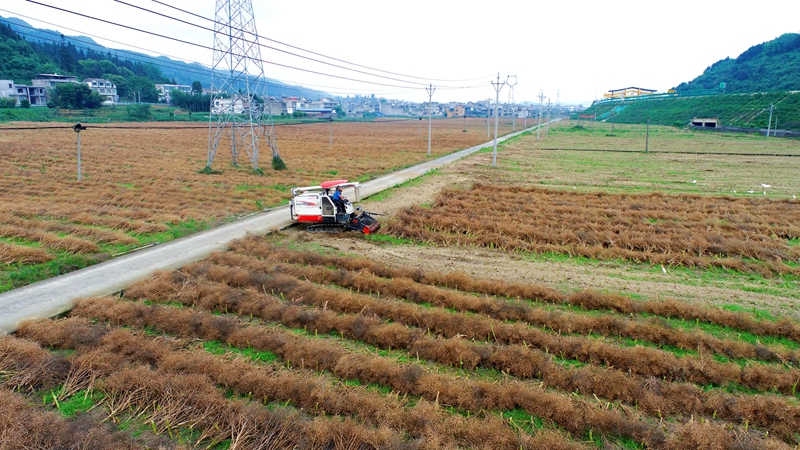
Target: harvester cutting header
325	208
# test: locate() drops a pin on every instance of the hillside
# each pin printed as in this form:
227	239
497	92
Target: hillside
766	67
36	50
733	110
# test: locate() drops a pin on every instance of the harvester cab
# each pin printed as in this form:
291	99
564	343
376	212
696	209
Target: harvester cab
317	207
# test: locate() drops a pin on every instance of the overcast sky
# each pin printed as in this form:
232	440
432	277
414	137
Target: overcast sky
580	48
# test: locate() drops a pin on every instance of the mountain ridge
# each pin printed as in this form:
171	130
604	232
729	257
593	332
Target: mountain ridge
180	71
767	67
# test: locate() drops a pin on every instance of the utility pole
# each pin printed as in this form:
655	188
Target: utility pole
430	89
497	86
769	124
331	119
541	99
78	128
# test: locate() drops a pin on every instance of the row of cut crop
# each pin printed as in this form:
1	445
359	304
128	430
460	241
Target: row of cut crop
577	416
424	421
650	395
586	299
638	360
648	330
697	231
121	365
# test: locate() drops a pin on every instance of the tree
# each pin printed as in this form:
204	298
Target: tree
197	87
191	102
145	89
138	112
75	96
121	82
25	103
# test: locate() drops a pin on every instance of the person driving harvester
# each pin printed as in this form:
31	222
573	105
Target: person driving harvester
338	200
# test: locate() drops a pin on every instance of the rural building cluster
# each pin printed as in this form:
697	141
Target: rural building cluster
38	92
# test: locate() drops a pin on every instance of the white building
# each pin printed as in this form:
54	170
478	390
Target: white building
165	91
105	88
36	95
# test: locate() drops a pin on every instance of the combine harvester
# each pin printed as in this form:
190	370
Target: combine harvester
315	205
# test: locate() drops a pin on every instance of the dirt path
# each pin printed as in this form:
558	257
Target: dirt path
638	280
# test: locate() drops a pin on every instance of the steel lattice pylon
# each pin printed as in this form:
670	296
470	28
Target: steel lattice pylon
239	102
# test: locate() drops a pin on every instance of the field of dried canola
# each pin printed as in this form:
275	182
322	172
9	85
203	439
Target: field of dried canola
141	184
293	341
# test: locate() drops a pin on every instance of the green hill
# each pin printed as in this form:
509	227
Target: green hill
733	110
766	67
764	75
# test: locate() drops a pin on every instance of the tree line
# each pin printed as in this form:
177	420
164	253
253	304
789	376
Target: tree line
20	60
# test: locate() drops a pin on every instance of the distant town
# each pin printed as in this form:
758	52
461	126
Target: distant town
36	95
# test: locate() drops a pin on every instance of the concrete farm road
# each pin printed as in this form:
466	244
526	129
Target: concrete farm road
57	295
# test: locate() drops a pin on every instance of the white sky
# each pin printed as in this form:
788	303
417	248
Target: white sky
581	47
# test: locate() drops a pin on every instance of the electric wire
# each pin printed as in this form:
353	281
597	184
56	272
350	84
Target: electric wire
212	49
133	56
309	51
266	46
261	60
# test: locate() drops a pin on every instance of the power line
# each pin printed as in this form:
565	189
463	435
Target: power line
309	51
210	48
128	55
265	46
268	62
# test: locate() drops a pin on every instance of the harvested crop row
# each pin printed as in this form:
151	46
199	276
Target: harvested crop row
592	300
23	426
118	364
650	395
698	231
67	243
11	253
426	422
649	330
662	398
642	361
96	234
575	415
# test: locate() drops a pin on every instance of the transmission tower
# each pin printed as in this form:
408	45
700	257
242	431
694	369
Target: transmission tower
239	103
511	99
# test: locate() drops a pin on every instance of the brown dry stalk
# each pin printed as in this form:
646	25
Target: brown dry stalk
661	229
23	426
651	395
183	396
574	414
585	299
315	394
11	254
50	240
25	366
642	361
765	416
650	330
